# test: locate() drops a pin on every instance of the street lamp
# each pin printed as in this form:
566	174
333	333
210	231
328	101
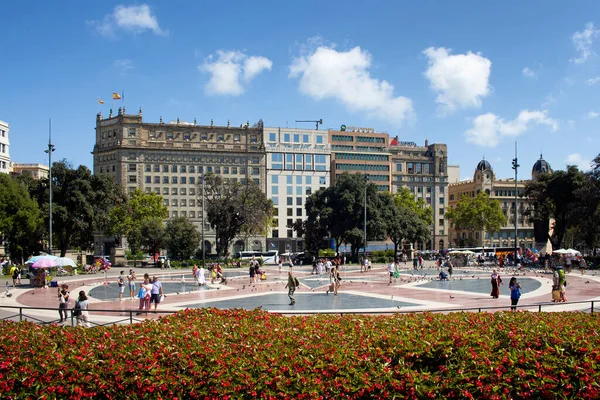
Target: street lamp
50	151
365	219
515	166
203	245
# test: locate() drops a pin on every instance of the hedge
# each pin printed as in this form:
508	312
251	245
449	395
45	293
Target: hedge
210	353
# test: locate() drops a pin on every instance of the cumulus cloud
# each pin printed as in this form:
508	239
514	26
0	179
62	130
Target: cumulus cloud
583	42
345	76
593	114
592	81
579	161
488	129
529	73
131	19
460	80
229	70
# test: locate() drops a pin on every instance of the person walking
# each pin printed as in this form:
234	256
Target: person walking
63	302
291	287
131	282
337	279
82	305
496	281
450	269
515	293
201	277
156	292
121	283
391	269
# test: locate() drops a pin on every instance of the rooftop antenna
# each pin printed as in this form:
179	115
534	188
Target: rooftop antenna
317	122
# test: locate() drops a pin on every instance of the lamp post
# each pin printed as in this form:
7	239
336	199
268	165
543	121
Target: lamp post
515	166
365	220
50	151
203	245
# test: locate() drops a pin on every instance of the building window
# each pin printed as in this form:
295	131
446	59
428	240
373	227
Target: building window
166	202
165	179
148	168
286	137
130	167
298	212
157	179
319	139
174	214
298	201
289	190
174	179
322	180
156	168
275	233
173	168
290	201
305	139
165	168
275	190
192	202
399	167
183	180
275	200
173	191
192	180
255	171
182	191
174	202
272	137
148	179
451	197
296	138
157	190
132	179
131	132
192	214
165	191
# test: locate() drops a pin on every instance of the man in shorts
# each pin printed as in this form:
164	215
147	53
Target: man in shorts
156	292
121	283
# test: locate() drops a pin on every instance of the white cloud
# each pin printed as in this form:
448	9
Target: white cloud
123	65
132	19
592	81
583	42
345	76
230	69
578	160
592	114
529	73
460	80
488	129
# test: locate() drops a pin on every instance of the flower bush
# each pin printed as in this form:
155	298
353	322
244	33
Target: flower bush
210	353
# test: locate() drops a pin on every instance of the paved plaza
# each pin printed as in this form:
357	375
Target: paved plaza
369	292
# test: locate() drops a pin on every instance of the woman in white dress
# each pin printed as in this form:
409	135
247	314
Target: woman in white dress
201	278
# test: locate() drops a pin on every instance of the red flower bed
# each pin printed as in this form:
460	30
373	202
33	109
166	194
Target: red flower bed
253	354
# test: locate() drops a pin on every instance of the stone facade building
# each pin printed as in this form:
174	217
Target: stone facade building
170	159
37	171
484	179
424	171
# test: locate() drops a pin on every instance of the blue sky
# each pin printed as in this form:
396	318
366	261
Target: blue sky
475	75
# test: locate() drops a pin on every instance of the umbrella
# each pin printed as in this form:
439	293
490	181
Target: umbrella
64	261
44	263
36	258
573	252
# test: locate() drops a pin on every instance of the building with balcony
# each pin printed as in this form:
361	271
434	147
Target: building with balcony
170	159
5	166
484	179
298	164
424	171
362	151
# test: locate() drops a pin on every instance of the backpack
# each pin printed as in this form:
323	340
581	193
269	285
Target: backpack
77	309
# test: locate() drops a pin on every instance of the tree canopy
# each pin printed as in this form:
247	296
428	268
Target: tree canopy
232	207
475	214
183	238
20	219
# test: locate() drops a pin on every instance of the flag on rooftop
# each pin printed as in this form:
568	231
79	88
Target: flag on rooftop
100	101
116	96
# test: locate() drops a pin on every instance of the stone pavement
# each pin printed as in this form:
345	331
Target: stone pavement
359	293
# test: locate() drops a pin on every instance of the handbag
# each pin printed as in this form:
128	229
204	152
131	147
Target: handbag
141	293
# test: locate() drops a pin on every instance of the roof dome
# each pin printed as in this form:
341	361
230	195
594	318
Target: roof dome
483	165
541	166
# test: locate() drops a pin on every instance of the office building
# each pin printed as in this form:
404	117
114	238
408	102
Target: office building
36	171
424	171
361	150
484	179
4	148
170	159
298	164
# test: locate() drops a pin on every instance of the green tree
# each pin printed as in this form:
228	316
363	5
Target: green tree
80	205
128	217
231	207
20	219
406	219
154	236
556	196
587	209
476	214
183	238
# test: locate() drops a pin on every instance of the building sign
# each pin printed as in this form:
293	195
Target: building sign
407	144
344	128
